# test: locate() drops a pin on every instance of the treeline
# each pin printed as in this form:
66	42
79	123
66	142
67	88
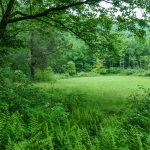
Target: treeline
64	53
133	53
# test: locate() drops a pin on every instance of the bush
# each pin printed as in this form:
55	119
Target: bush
19	76
33	118
114	70
13	75
62	76
137	122
137	72
128	71
139	114
59	114
99	68
147	73
87	74
45	75
70	68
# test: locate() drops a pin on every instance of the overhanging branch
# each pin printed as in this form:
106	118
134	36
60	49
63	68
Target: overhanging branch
23	14
7	13
67	28
2	7
53	9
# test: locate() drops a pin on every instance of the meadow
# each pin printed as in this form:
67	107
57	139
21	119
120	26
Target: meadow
101	113
107	91
86	113
74	75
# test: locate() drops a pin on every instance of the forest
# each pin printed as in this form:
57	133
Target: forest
74	75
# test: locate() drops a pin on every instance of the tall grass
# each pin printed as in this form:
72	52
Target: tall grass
56	119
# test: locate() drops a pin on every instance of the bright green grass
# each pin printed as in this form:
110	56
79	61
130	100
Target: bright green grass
106	90
103	86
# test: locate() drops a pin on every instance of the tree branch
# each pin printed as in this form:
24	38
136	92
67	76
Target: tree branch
17	13
16	33
2	7
56	21
69	29
53	9
22	14
7	13
107	1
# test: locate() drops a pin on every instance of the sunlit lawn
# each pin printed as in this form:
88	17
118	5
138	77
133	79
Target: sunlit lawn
106	90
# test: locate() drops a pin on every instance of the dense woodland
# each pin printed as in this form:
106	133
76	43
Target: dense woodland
55	43
61	51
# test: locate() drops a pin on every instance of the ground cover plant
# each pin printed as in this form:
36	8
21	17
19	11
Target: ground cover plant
74	75
68	115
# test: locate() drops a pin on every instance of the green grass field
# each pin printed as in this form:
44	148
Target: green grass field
104	89
78	114
109	112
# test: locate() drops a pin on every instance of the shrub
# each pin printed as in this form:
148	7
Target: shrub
81	74
33	118
87	74
19	76
62	76
114	70
58	113
128	72
139	114
45	75
147	73
137	122
13	75
70	68
99	68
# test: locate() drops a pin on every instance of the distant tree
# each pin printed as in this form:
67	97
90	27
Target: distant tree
80	17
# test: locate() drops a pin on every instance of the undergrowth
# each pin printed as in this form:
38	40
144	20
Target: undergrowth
36	119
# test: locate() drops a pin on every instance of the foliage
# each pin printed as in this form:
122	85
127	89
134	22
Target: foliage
138	120
70	37
13	75
46	75
79	53
87	74
70	68
19	60
33	118
99	67
135	71
62	76
114	70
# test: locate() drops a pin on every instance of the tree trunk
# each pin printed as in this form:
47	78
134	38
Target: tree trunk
2	33
3	44
32	65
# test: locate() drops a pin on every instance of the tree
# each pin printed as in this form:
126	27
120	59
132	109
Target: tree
66	14
80	17
45	50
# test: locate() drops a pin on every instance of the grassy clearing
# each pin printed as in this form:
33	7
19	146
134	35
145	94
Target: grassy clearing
104	86
109	91
101	117
77	114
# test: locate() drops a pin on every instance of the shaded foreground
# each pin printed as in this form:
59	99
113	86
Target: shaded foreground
79	113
